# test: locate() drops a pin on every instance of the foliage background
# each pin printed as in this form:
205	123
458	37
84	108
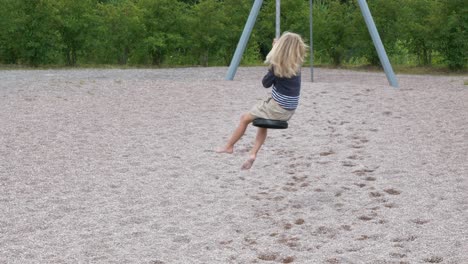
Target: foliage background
205	32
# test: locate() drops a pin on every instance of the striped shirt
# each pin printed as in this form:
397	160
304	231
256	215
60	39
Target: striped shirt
286	91
286	102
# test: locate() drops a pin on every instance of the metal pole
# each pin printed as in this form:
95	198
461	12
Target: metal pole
278	19
311	42
243	40
378	43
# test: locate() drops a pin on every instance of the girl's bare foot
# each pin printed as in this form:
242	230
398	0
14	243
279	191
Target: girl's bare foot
228	150
248	163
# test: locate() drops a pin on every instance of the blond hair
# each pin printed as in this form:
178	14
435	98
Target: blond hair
287	55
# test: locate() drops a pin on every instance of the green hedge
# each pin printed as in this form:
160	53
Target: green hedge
206	32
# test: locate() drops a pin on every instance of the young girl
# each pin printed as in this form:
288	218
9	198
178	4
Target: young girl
284	65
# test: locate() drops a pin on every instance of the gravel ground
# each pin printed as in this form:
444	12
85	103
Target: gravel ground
117	166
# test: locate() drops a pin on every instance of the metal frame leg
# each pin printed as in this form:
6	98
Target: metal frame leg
278	19
378	43
311	47
243	40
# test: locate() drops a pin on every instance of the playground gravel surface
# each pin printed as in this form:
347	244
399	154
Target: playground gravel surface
117	166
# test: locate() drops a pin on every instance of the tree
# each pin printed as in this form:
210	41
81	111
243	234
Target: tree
121	30
11	22
206	26
166	25
206	32
75	27
190	2
420	21
387	18
32	35
235	14
453	38
332	35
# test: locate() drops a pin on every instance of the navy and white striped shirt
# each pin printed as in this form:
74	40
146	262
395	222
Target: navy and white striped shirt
286	91
287	102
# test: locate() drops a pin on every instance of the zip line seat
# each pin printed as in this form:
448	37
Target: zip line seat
269	123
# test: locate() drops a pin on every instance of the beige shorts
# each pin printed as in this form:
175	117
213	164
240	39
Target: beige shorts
270	109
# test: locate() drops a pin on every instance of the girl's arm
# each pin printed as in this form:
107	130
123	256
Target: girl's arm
268	79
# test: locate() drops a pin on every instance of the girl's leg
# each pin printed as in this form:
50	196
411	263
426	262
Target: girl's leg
259	140
246	119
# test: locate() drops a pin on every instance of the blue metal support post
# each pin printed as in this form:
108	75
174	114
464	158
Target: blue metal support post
311	47
378	43
243	40
278	19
